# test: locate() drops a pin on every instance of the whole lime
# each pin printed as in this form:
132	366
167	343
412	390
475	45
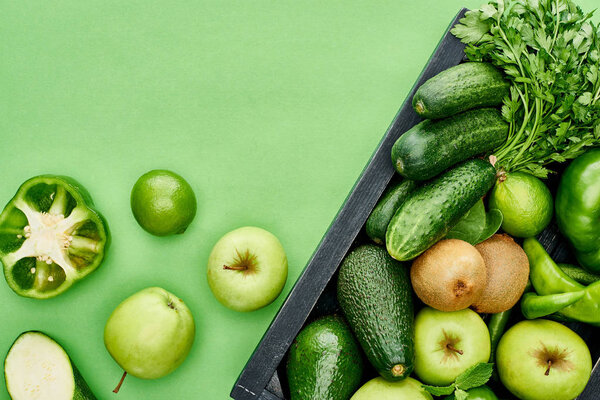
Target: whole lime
525	202
163	203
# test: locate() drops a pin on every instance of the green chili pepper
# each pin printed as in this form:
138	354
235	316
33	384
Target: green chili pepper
578	208
547	278
544	274
534	306
497	326
50	236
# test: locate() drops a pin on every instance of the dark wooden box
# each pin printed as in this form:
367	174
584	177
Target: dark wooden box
314	293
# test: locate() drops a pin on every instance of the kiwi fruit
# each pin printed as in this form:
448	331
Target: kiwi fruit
507	273
450	276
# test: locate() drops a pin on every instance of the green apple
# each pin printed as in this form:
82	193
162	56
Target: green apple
477	393
150	333
541	359
380	389
247	269
448	343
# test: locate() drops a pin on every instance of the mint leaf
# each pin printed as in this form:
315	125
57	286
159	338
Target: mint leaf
460	394
493	220
475	376
439	390
470	227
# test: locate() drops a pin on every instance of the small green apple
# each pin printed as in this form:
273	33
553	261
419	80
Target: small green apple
150	333
448	343
380	389
541	359
247	269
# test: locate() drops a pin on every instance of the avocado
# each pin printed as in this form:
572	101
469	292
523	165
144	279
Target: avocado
375	295
324	361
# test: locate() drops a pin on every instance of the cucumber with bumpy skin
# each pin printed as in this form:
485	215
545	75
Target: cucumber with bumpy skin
36	367
460	88
431	147
433	209
386	207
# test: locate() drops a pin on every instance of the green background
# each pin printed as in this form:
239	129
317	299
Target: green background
270	109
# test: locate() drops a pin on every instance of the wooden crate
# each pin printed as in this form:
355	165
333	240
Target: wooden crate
314	293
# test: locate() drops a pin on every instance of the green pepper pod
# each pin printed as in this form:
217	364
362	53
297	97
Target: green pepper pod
544	274
534	306
496	326
50	236
547	278
578	208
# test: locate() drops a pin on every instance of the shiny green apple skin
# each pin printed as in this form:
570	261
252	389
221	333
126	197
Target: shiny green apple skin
525	376
150	333
380	389
432	327
251	289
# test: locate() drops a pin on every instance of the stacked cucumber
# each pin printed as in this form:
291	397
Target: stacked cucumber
440	182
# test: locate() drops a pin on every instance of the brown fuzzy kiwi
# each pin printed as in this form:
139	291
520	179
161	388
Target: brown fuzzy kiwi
450	276
507	273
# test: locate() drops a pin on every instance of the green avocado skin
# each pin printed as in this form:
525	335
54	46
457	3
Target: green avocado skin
460	88
432	146
578	208
324	362
375	293
433	209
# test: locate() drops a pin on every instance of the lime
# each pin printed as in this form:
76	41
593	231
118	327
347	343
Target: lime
525	202
163	203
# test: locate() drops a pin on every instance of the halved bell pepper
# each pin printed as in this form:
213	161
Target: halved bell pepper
50	236
578	208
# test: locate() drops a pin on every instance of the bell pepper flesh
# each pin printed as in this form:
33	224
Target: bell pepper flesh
50	236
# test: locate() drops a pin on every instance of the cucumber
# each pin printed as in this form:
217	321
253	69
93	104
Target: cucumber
36	367
433	209
460	88
384	210
375	293
431	147
579	274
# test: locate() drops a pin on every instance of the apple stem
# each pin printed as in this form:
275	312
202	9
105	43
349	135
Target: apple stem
548	369
454	349
240	268
120	382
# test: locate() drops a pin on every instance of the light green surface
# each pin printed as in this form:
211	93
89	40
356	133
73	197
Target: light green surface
270	109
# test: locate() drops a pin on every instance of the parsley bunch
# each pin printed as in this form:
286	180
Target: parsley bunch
550	52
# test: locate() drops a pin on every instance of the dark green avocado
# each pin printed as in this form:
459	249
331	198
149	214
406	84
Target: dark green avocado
375	293
324	362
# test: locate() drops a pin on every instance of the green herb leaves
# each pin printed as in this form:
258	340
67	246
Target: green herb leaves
473	377
476	226
550	51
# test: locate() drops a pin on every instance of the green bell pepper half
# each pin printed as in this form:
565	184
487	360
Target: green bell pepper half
50	236
578	208
547	278
534	306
